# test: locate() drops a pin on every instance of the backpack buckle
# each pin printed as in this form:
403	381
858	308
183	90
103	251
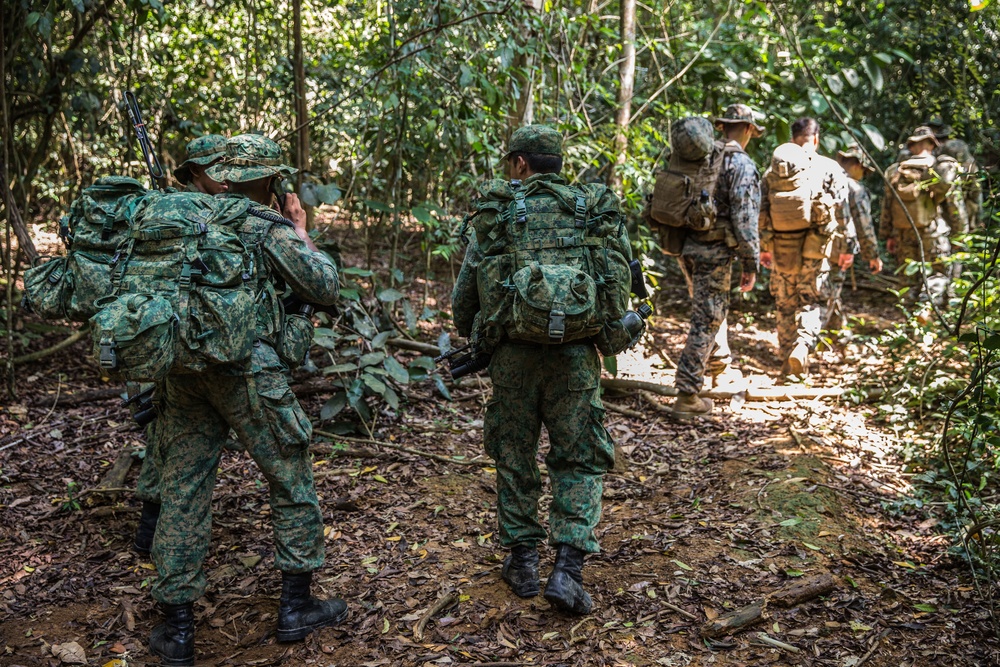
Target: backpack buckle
580	219
109	355
557	325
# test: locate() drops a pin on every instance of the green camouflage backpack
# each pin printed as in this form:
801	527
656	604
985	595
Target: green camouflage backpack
68	286
184	290
555	268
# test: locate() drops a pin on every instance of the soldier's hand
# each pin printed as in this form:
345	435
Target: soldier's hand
875	265
766	259
846	261
890	245
747	281
293	211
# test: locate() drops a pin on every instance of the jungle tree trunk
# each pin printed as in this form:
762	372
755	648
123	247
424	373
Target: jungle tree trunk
626	76
301	107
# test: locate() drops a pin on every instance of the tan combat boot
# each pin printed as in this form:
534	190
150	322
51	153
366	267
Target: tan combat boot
691	405
797	363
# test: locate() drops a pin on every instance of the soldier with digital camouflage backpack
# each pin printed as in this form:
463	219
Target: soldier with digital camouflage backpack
920	194
544	286
805	228
196	309
711	189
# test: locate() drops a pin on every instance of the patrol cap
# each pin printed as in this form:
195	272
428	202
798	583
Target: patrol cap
203	150
537	139
739	113
921	133
250	157
854	151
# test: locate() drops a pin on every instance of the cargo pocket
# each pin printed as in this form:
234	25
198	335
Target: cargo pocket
296	338
817	245
788	252
290	427
48	288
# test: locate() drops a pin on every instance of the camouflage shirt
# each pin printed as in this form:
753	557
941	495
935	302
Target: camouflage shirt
312	276
737	196
861	212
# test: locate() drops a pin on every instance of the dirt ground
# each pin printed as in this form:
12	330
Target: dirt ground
699	520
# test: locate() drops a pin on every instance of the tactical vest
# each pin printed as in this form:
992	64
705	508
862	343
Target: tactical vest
722	226
554	267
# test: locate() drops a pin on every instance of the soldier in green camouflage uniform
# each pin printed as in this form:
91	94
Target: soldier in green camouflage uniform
707	259
200	154
932	243
856	164
198	411
972	190
801	294
557	386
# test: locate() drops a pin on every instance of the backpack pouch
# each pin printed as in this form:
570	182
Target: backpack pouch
296	339
791	211
221	329
553	304
48	289
91	281
788	252
134	337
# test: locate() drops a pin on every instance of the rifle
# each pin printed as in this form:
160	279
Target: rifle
152	162
474	360
143	413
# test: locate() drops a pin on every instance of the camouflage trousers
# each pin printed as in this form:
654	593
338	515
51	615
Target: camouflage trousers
938	275
558	386
835	317
800	303
197	412
147	487
707	268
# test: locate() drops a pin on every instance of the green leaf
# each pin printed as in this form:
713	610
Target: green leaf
790	522
791	572
378	342
355	271
350	294
340	368
811	546
396	370
373	383
355	394
328	194
377	206
32	19
427	363
334	405
391	398
884	57
878	141
390	294
851	76
371	359
929	608
835	83
683	566
817	101
611	365
422	214
441	387
307	193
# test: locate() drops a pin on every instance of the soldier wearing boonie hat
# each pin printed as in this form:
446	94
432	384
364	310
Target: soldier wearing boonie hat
251	157
200	154
857	165
738	113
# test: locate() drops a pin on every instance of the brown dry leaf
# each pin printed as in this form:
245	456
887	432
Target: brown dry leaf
710	613
69	653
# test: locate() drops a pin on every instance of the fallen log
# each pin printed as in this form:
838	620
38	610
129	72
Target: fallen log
114	479
41	354
789	596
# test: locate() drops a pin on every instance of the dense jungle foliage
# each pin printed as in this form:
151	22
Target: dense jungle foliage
410	104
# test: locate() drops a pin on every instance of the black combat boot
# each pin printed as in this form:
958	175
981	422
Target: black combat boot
520	571
173	641
143	541
564	590
299	613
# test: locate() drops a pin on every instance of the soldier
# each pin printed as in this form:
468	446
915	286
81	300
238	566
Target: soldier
198	411
707	259
857	165
916	203
202	153
553	384
804	217
972	191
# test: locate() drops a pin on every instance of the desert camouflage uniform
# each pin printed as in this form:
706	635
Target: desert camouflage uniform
706	263
801	296
557	386
198	411
861	214
935	239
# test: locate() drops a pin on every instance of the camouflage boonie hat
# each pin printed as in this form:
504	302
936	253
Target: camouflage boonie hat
203	150
739	113
921	133
537	139
250	157
854	151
